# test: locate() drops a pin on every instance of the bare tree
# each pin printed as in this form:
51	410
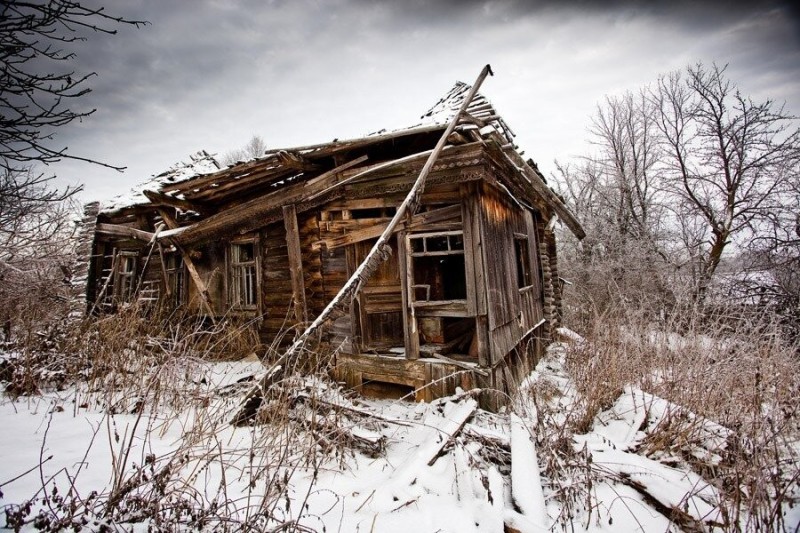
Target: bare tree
36	91
728	159
617	194
38	94
255	147
678	173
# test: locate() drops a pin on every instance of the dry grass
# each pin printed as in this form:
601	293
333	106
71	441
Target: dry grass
150	367
729	368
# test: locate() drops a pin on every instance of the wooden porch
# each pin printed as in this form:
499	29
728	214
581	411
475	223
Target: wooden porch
393	376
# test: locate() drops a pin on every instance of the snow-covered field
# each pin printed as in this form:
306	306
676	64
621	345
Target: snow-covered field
331	462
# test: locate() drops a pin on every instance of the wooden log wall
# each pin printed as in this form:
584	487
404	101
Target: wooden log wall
276	285
334	274
81	297
557	311
549	281
309	228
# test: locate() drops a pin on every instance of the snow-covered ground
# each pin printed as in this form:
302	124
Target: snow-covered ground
444	466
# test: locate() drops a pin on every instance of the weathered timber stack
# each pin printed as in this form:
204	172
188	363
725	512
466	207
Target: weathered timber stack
84	239
548	301
558	311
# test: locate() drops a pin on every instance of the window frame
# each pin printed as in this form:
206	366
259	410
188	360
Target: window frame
125	280
176	279
235	299
425	252
524	265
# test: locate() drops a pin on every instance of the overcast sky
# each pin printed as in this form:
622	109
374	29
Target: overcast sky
208	74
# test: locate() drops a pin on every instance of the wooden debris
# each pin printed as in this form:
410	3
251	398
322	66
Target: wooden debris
291	159
118	230
161	199
257	207
452	426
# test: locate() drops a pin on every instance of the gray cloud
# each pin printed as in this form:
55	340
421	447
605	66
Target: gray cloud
208	74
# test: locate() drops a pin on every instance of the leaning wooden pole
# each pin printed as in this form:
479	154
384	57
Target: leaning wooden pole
379	253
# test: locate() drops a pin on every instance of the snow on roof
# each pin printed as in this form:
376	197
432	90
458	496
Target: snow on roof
446	108
480	108
199	163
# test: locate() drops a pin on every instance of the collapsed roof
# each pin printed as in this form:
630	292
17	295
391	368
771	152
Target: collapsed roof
312	173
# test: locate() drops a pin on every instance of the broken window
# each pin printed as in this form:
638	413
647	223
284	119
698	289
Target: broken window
125	283
243	275
522	251
438	269
176	279
376	212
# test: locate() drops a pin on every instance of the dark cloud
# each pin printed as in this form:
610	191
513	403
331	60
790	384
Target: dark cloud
210	73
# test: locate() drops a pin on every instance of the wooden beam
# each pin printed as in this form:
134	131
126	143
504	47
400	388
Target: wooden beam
157	198
418	221
118	230
380	252
410	336
257	208
296	161
295	263
537	184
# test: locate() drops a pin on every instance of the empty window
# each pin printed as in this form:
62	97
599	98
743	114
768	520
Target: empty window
125	285
243	272
439	272
377	212
522	251
175	279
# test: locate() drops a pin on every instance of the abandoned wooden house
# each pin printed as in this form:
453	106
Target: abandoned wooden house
467	293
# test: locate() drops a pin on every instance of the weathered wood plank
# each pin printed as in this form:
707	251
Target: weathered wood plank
118	230
295	263
257	207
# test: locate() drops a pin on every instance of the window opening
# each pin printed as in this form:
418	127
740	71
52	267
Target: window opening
176	279
439	272
244	290
126	276
522	251
373	212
